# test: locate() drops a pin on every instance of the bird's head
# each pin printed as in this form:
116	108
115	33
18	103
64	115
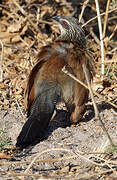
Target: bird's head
71	30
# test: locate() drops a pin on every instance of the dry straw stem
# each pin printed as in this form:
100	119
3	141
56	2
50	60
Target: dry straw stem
43	152
75	155
91	92
41	177
101	37
94	36
83	8
98	95
102	173
113	50
97	115
108	61
73	77
110	37
88	176
54	160
106	19
109	101
106	162
1	60
102	14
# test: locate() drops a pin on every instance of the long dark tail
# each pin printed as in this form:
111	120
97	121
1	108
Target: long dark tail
40	115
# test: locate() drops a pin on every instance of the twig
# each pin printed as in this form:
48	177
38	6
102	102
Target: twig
110	37
83	8
49	160
38	161
38	14
76	154
94	36
24	13
1	60
31	175
101	37
39	154
106	162
91	92
76	79
102	14
105	172
73	77
109	61
109	102
106	18
97	115
87	159
115	49
115	113
24	41
79	153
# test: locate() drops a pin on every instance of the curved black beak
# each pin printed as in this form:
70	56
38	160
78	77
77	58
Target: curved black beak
57	18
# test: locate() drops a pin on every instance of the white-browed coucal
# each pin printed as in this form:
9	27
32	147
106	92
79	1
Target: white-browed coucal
48	84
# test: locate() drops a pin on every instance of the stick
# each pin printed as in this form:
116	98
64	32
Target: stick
102	14
73	77
97	115
1	60
101	37
83	8
39	154
106	18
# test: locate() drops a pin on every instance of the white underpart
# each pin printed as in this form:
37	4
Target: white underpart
62	29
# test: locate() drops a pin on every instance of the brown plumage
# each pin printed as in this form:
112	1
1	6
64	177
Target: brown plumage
47	84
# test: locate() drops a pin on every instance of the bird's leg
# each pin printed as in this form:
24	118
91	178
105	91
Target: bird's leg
77	114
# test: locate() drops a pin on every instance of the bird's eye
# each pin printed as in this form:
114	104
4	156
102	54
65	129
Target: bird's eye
64	23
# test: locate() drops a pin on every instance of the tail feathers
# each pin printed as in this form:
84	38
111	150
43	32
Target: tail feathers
40	114
32	130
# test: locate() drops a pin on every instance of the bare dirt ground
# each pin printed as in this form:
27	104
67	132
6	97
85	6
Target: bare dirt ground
82	151
67	152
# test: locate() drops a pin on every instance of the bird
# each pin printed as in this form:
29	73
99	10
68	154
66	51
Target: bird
48	85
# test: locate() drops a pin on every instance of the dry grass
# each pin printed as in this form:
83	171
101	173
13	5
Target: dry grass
23	30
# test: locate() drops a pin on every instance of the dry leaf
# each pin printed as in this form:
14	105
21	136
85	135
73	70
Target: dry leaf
15	27
4	156
16	39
